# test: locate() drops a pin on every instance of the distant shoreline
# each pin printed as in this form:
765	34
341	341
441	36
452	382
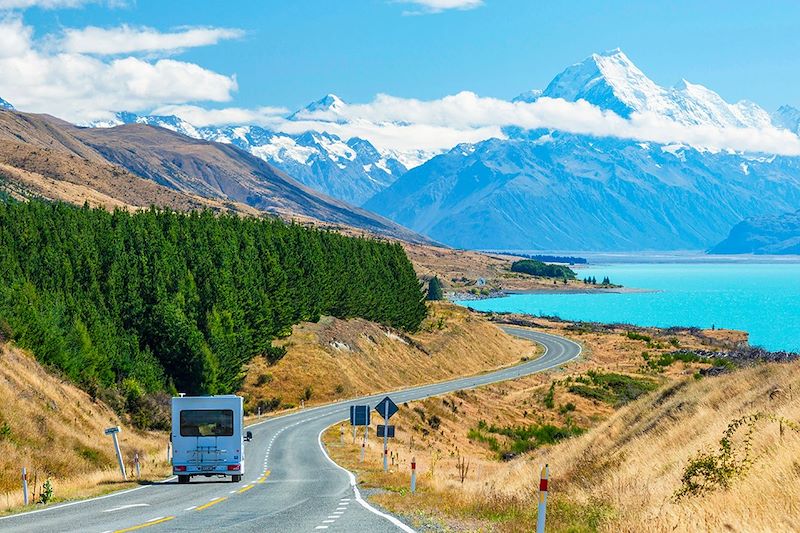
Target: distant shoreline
467	296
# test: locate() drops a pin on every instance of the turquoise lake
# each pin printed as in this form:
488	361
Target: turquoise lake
763	299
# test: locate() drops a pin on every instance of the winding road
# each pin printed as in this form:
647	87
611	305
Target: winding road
290	484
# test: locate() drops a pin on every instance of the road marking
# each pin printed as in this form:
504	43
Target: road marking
190	508
245	489
357	493
153	522
321	527
131	506
215	501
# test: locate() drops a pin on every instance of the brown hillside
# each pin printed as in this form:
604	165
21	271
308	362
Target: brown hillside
56	431
191	168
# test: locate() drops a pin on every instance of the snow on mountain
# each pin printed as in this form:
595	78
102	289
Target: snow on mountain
6	105
611	81
329	104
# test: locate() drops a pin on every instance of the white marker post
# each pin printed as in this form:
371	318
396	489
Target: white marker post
542	499
341	434
413	475
113	432
25	485
136	464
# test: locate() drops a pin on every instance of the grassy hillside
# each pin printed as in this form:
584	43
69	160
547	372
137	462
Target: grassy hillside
56	430
619	429
336	359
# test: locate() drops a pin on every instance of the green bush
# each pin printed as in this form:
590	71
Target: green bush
537	268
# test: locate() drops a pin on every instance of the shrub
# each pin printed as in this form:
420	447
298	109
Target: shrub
549	400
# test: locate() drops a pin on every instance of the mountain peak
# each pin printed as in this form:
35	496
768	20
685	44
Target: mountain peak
5	105
609	80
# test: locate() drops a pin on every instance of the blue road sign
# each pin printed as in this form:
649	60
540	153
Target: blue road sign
360	415
385	404
382	429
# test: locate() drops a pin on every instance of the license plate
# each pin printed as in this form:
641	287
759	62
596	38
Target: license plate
207	468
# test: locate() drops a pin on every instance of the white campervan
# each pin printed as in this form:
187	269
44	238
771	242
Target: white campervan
207	437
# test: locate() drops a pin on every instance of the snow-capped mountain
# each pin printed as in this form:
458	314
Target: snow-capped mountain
545	189
6	105
352	170
611	81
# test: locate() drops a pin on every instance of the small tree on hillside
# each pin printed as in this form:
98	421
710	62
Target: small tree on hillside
435	289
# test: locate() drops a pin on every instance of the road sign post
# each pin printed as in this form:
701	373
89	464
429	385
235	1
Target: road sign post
113	432
386	408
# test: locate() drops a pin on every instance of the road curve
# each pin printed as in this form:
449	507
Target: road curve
290	483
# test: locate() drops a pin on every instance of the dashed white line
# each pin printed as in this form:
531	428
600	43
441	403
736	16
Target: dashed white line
190	508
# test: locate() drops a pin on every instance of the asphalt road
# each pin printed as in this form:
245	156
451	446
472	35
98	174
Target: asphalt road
289	485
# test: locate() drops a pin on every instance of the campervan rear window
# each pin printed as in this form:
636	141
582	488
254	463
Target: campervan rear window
207	423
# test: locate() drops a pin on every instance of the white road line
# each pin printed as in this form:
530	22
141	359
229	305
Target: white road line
321	527
190	508
123	507
357	493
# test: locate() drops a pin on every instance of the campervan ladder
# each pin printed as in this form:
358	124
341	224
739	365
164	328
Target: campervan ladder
207	458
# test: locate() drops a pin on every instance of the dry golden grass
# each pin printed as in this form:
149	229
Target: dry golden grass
55	430
622	474
346	358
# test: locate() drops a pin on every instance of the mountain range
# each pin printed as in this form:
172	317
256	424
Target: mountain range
352	170
544	189
527	189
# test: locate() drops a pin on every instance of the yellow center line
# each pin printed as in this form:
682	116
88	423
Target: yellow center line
263	478
245	489
212	502
146	524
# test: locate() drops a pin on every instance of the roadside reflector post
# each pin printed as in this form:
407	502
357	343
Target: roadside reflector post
169	455
341	433
113	432
542	499
136	464
362	450
413	475
25	485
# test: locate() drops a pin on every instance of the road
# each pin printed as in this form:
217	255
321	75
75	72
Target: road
289	485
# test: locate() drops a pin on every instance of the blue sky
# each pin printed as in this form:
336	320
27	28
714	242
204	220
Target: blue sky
295	51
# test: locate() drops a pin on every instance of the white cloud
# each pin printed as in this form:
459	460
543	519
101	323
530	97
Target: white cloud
199	116
81	87
126	39
466	113
437	6
50	4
